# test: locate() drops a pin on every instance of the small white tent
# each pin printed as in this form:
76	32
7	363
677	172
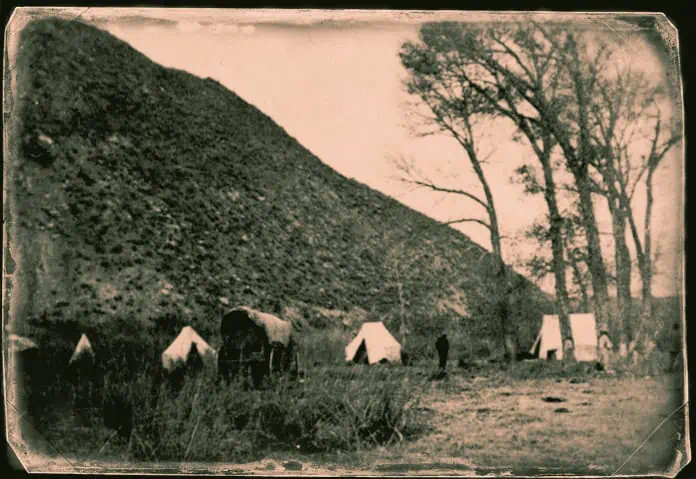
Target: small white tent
83	347
583	331
378	344
181	346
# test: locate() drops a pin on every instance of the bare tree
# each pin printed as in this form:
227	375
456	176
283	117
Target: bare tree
632	139
614	114
583	67
458	110
554	234
663	139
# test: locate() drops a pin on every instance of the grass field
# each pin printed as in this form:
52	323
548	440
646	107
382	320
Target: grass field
493	419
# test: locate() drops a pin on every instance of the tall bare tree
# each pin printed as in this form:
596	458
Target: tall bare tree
554	233
632	139
584	68
458	110
614	115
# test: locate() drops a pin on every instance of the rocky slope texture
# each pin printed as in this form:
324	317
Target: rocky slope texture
142	192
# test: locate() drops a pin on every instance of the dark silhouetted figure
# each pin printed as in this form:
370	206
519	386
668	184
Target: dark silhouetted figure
442	346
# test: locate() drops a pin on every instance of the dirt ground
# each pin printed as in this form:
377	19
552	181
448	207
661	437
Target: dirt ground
481	425
592	427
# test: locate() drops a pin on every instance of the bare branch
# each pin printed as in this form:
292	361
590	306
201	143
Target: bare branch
517	58
467	220
440	189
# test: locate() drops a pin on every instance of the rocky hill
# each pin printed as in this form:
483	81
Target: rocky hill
137	191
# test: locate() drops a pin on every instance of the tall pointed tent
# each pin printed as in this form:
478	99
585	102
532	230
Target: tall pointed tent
184	343
84	347
584	333
374	343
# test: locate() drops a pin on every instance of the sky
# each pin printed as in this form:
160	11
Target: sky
337	87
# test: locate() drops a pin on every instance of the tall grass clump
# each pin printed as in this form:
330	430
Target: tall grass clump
215	421
324	346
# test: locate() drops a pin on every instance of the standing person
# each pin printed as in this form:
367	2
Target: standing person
605	350
442	346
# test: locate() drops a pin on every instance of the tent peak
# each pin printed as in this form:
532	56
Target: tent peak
83	347
179	349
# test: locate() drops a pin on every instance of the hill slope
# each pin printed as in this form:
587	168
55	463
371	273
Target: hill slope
144	192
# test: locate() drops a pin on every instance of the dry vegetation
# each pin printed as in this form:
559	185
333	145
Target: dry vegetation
529	418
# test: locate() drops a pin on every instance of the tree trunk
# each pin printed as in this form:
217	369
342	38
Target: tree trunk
623	276
557	260
594	251
579	168
509	335
646	267
618	208
504	292
403	329
579	280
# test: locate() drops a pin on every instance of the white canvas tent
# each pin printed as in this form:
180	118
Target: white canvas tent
378	343
584	330
83	347
584	333
181	346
